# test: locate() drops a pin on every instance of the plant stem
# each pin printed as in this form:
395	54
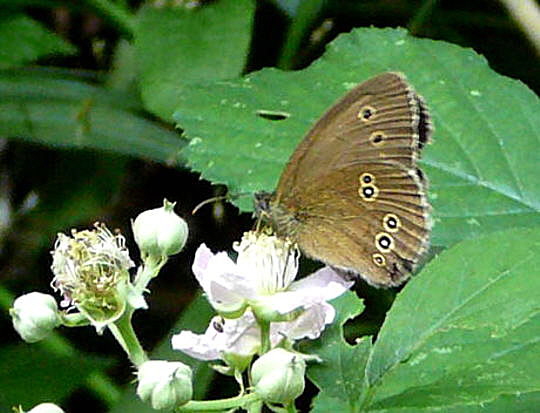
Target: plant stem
122	328
265	335
150	270
221	404
123	331
291	408
306	13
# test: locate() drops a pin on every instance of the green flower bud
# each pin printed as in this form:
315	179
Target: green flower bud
278	376
34	316
46	408
160	232
165	384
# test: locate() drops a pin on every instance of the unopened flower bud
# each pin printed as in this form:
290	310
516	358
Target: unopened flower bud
160	232
278	376
34	316
165	384
46	408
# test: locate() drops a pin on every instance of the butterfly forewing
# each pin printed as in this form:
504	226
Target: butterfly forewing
344	134
351	194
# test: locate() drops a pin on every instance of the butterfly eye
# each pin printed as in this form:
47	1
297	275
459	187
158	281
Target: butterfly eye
368	192
377	137
391	222
366	113
379	259
384	242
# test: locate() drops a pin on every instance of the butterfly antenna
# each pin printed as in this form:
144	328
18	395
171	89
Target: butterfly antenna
209	201
218	198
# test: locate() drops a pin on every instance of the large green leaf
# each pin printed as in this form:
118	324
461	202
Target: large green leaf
341	373
23	40
482	164
466	331
176	46
61	110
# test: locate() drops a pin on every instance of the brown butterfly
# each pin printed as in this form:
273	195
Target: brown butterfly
352	194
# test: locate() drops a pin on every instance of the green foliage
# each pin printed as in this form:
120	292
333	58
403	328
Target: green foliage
463	334
57	110
176	47
50	376
24	40
482	164
339	383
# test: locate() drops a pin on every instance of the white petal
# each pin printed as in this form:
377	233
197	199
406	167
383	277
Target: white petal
239	336
208	266
309	324
243	335
319	287
323	285
195	345
218	277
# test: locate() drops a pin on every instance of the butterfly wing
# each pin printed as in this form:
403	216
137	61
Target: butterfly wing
352	187
382	118
377	229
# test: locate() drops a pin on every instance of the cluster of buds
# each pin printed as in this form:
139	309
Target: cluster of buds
262	310
92	272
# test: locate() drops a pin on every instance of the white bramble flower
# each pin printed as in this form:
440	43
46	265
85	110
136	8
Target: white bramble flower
263	278
91	270
260	285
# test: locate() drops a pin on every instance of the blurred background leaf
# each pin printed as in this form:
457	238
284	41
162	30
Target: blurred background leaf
25	40
175	47
59	110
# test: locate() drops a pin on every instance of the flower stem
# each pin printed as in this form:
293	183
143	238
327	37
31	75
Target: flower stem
290	408
221	404
149	270
123	331
122	328
265	335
